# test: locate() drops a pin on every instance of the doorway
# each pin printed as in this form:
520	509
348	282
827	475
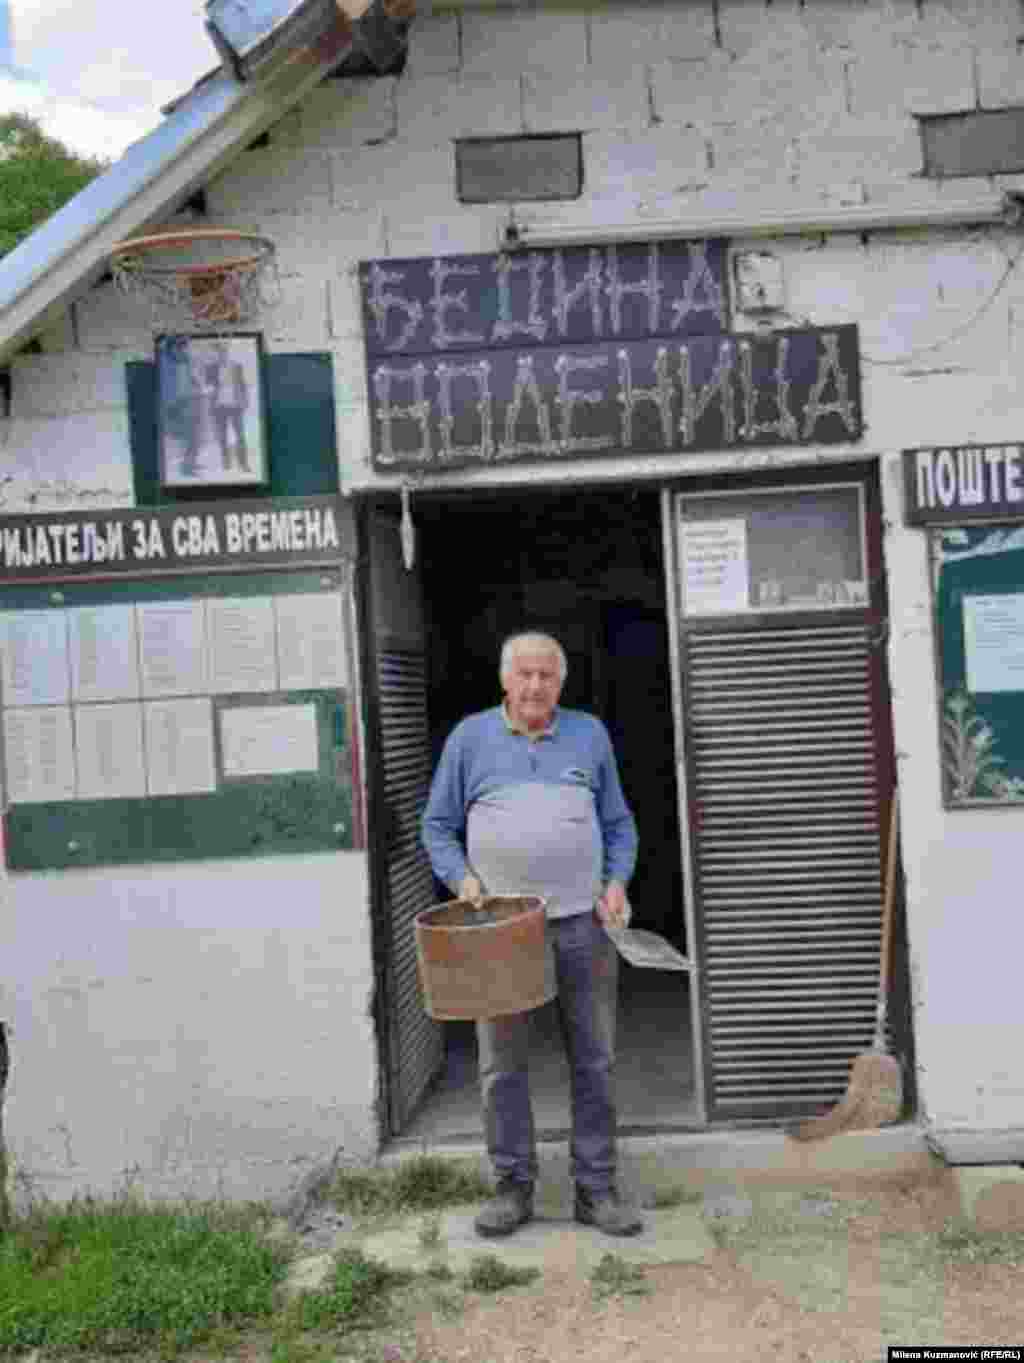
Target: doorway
765	683
586	566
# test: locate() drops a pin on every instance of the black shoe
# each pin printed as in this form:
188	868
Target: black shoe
607	1212
509	1208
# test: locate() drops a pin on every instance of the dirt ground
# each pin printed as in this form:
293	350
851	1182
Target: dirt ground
829	1278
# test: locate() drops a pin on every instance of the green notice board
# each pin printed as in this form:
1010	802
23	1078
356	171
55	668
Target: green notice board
979	598
200	716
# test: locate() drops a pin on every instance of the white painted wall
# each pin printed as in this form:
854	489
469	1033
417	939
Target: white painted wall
211	1021
202	1029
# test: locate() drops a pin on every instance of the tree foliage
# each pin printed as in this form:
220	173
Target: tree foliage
37	175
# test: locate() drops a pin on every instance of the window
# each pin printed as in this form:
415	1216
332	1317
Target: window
513	169
986	142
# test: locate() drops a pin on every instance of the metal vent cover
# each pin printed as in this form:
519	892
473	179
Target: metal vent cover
417	1041
787	860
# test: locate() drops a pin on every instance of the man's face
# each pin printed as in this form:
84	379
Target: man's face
532	687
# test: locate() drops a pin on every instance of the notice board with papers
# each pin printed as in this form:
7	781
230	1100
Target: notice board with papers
978	574
176	684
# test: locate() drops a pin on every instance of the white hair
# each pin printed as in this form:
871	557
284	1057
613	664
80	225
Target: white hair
516	643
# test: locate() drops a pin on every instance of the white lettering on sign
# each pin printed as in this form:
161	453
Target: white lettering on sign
383	301
443	303
971	476
569	399
247	532
507	326
751	406
45	546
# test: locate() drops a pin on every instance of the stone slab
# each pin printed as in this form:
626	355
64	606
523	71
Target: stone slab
552	1241
992	1196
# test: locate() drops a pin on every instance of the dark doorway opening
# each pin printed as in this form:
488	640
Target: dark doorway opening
586	566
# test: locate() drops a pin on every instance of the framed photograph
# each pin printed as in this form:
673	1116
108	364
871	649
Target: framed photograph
211	411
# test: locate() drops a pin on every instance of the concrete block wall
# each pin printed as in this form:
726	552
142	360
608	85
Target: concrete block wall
683	108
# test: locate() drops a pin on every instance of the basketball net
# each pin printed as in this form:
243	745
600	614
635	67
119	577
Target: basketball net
208	279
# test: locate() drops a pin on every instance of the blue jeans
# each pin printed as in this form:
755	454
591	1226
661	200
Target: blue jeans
585	964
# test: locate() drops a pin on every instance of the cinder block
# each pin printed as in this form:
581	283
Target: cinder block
623	36
582	103
870	149
433	45
348	113
57	462
755	154
397	177
799	84
438	109
1000	76
352	426
747	24
349	360
346	304
324	246
462	231
265	180
992	1196
500	42
70	383
654	160
911	75
299	318
110	320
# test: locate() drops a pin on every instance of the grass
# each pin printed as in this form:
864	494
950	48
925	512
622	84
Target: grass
960	1243
355	1293
614	1277
122	1276
119	1277
423	1184
487	1273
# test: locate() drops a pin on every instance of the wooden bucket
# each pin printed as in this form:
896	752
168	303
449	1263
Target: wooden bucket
483	962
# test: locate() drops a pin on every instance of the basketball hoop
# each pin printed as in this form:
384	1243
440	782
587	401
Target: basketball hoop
198	279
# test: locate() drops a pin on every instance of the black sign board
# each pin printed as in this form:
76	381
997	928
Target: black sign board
954	484
290	532
562	354
551	297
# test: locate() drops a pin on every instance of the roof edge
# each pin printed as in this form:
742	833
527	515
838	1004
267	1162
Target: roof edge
69	251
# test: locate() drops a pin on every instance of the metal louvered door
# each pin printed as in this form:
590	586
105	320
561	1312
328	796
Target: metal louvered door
403	880
788	778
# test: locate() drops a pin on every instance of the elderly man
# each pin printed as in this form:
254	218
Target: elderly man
526	799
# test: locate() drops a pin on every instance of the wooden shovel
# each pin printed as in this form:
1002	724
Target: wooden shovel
874	1094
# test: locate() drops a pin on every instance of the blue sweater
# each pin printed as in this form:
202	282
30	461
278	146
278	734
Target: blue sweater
542	816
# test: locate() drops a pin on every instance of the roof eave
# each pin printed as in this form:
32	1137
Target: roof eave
156	175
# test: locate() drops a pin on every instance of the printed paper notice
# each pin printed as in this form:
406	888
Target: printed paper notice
716	571
34	648
108	751
104	653
171	648
40	759
310	643
241	643
994	642
269	740
179	746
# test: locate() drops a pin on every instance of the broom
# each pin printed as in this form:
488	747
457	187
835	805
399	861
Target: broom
874	1094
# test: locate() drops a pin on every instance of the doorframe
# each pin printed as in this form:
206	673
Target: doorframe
867	471
673	606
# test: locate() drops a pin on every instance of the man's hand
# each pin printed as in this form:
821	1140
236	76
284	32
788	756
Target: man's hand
471	888
613	906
